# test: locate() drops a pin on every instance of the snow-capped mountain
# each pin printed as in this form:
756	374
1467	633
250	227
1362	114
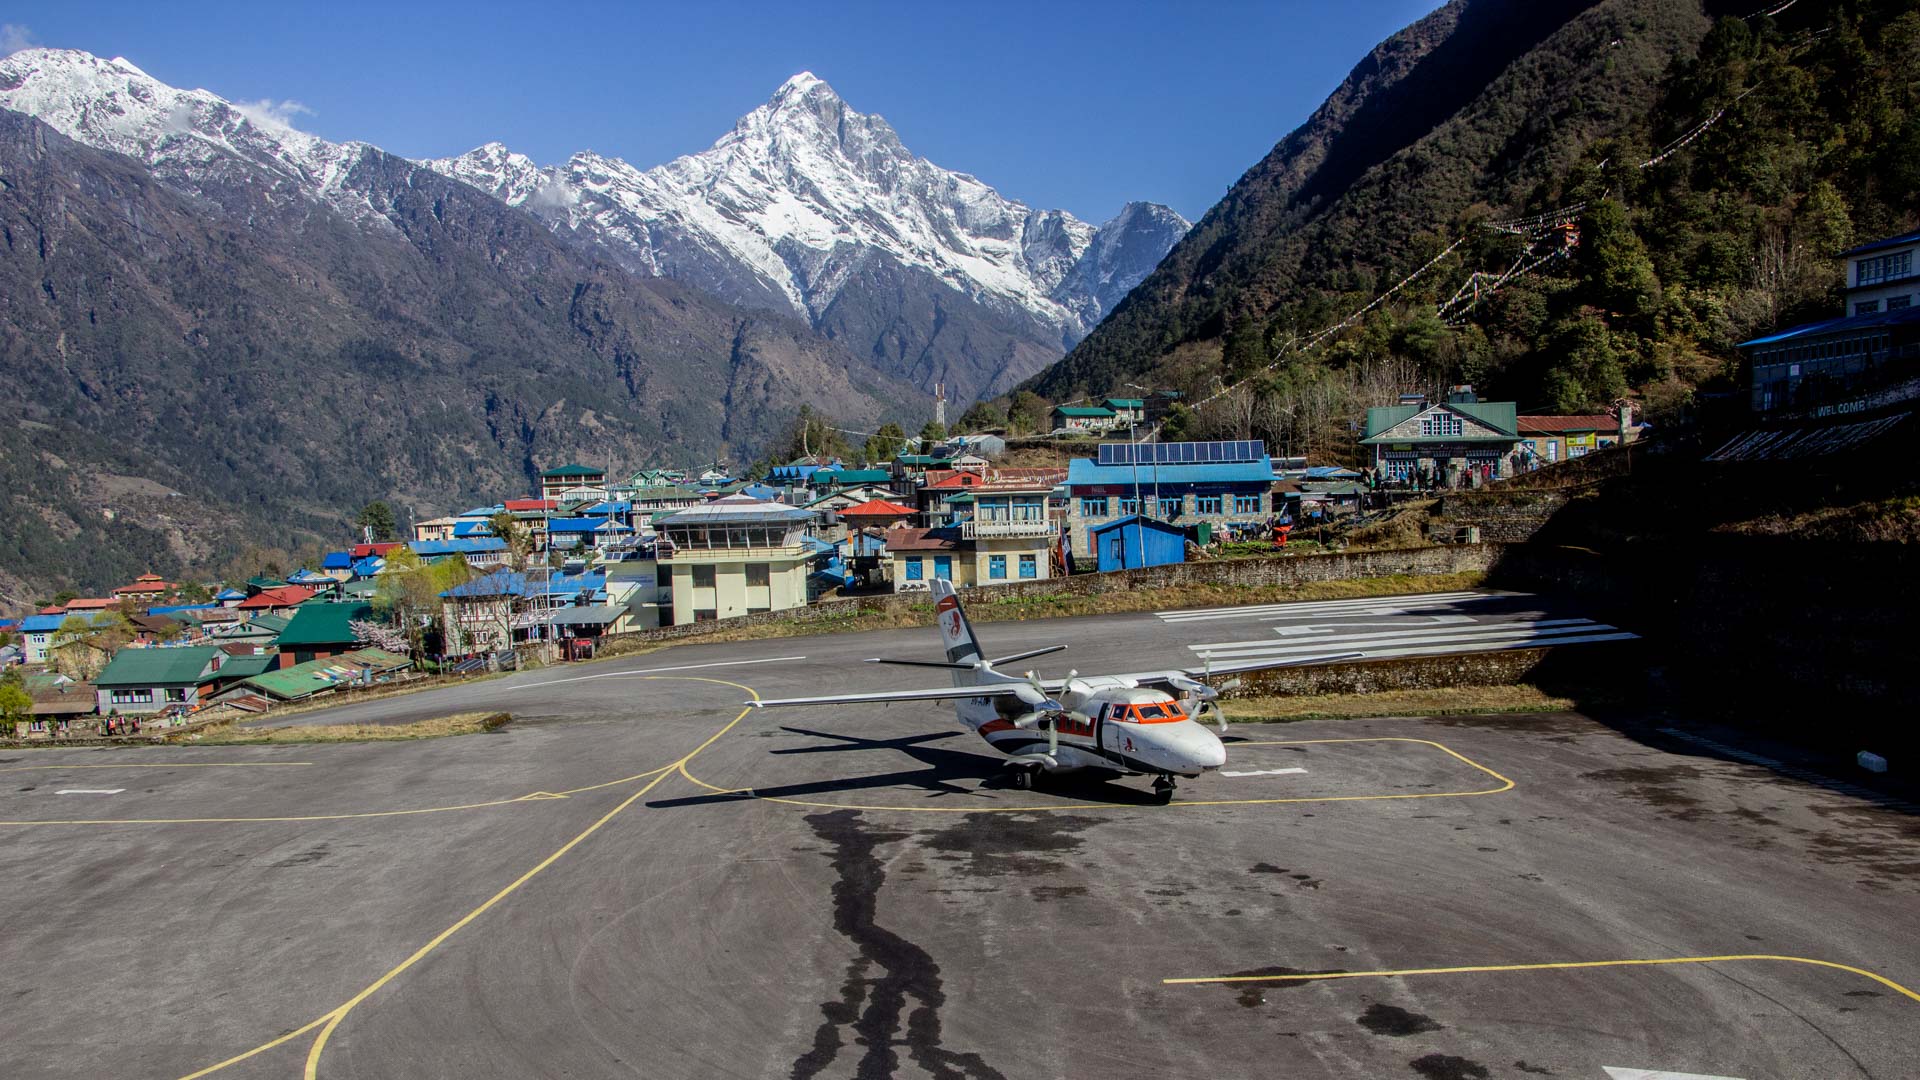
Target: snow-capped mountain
191	138
814	207
806	207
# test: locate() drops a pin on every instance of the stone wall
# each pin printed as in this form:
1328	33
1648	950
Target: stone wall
1555	670
1263	572
1506	517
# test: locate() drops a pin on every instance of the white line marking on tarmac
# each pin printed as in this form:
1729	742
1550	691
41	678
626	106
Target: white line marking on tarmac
1617	1073
1406	634
650	671
90	791
1331	607
1264	772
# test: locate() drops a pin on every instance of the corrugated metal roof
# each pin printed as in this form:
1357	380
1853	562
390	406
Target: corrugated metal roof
1084	471
572	470
468	546
179	666
304	680
1083	410
737	513
1498	415
323	624
1845	325
1876	245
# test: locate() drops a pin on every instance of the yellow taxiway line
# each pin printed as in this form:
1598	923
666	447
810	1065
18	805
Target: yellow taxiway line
1505	785
1570	965
330	1021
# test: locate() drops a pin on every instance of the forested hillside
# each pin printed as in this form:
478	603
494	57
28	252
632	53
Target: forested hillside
1713	162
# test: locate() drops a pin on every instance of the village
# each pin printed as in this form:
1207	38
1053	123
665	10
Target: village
551	575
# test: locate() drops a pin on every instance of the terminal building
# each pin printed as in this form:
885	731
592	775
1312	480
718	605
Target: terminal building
734	556
1874	342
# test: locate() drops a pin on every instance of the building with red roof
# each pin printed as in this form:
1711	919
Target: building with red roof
1547	439
145	587
284	598
380	550
877	513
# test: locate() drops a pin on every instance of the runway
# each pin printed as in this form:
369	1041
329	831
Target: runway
647	880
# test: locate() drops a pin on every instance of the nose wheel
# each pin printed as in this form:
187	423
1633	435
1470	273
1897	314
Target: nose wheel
1163	789
1026	777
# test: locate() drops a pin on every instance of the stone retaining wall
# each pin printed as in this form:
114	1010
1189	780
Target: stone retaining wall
1266	572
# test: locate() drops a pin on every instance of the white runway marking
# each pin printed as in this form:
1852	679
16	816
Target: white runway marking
1617	1073
1380	628
650	671
1389	605
1264	772
90	791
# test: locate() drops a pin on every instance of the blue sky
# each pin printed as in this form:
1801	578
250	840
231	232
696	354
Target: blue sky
1080	106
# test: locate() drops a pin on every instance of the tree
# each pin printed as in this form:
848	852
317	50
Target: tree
409	593
813	435
1026	412
82	646
1245	350
378	517
980	416
933	432
884	444
519	543
16	704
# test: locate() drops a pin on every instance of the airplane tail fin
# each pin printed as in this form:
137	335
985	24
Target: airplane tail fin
956	633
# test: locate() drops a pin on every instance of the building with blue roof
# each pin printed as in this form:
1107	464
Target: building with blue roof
1217	494
1875	340
464	530
337	560
37	631
482	552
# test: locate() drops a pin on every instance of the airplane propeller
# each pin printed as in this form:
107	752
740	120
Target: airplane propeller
1045	711
1201	696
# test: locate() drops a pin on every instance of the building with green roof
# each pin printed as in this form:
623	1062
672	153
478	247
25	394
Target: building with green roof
321	629
149	680
360	667
1084	418
1444	443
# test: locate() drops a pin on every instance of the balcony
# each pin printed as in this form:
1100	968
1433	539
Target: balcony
995	528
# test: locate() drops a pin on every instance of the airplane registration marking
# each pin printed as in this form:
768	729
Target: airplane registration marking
1264	772
1504	786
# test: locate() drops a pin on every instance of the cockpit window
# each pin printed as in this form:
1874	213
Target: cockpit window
1153	712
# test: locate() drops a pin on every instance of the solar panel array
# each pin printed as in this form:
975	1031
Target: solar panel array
1183	453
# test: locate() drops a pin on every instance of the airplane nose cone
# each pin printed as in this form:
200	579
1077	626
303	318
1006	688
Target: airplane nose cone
1212	753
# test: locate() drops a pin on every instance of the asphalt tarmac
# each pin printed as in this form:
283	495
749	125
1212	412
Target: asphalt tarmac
591	892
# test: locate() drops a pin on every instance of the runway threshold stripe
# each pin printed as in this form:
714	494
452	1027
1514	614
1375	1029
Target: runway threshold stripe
1345	602
1265	772
1338	637
1314	606
1347	642
1467	647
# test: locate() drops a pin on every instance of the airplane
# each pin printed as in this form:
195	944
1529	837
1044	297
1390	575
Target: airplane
1113	725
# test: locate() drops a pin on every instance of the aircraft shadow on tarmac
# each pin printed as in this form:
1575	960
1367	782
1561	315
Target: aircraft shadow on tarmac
942	774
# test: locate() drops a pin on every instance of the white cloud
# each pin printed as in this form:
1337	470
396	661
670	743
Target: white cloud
14	37
269	113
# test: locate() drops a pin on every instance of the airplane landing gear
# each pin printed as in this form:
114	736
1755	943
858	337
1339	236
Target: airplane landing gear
1163	789
1026	777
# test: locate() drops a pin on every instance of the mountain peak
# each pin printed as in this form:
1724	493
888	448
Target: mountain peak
799	86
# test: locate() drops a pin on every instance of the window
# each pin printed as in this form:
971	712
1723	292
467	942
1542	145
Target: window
1170	507
1885	268
1866	307
703	577
1440	424
758	574
1897	303
176	693
1206	504
916	569
1246	504
997	567
1029	566
1129	506
131	697
705	614
1093	506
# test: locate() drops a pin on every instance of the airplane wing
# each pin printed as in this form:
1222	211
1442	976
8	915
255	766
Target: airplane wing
939	693
1145	678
